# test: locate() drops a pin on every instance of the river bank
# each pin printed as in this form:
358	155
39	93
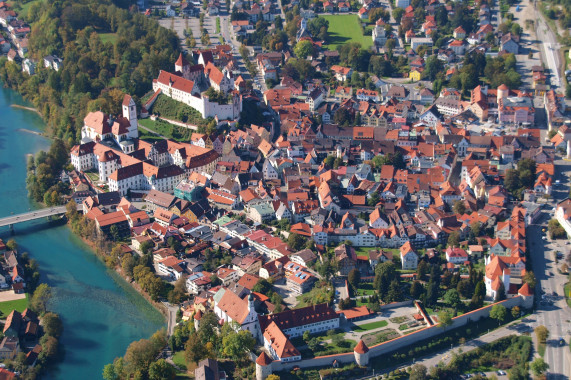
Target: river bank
102	315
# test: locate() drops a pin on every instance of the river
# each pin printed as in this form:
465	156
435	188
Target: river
101	314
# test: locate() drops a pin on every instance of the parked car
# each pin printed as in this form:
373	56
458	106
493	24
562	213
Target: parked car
501	373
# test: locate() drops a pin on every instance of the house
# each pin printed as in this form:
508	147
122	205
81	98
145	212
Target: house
563	215
53	62
9	348
415	74
341	73
416	42
510	43
208	369
29	66
409	258
456	255
459	33
363	13
346	259
303	257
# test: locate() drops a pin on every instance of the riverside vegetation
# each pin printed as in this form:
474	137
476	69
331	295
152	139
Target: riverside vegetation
51	323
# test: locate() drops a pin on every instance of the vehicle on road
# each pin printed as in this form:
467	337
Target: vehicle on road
501	373
561	342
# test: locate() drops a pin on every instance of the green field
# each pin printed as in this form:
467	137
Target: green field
371	326
7	307
108	37
344	29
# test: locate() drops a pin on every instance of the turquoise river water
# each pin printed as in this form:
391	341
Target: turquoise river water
101	313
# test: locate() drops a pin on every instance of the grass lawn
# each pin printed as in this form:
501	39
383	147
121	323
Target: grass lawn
365	289
179	359
400	319
371	326
19	305
344	29
168	130
108	37
315	296
23	6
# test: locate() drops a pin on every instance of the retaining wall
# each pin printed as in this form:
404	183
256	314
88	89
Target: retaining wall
400	342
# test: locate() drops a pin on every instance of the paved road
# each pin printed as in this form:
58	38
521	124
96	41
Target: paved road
554	315
549	49
32	215
171	317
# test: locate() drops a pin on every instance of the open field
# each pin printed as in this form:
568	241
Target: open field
108	37
19	305
370	326
344	29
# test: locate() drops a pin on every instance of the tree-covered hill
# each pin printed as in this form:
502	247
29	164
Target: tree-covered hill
95	75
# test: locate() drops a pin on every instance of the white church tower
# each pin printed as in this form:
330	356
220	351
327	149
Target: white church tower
130	113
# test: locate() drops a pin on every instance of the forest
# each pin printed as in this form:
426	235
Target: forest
95	75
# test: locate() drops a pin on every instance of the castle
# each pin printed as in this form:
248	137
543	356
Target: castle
188	84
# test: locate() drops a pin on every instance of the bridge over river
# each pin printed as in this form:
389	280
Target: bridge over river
32	215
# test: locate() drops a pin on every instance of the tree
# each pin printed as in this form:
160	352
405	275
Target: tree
416	290
539	366
529	278
236	344
542	333
459	207
40	298
11	245
384	274
139	355
296	241
479	294
515	312
454	239
52	324
262	286
397	14
452	298
273	377
303	49
109	372
373	199
499	313
394	293
418	372
161	370
500	293
354	278
422	270
444	318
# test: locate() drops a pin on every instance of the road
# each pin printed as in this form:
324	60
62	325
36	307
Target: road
171	317
549	49
555	314
32	215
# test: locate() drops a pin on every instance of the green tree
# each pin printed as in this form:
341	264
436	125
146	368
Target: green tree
109	372
40	298
422	270
416	290
418	372
161	370
395	292
499	313
194	350
354	278
397	14
479	294
515	312
11	245
303	49
237	344
500	293
452	298
262	286
52	324
296	241
444	318
373	199
459	207
454	239
539	366
529	278
542	333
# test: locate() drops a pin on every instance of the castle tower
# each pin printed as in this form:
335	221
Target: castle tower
183	66
130	113
503	92
263	366
361	352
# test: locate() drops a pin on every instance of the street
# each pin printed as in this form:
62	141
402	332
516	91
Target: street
554	315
